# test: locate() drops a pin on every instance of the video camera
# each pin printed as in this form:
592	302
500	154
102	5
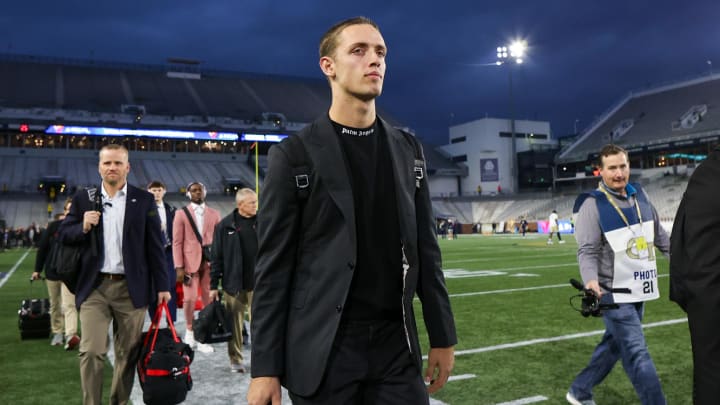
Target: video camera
590	302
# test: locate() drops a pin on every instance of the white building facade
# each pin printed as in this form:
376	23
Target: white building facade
485	147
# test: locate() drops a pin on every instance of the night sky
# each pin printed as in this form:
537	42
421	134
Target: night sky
584	55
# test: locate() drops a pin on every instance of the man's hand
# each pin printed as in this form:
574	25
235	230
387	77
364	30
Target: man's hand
179	274
213	295
90	218
595	286
35	276
441	361
264	390
164	296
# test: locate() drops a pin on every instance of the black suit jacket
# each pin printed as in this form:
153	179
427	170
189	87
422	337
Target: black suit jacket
142	248
306	259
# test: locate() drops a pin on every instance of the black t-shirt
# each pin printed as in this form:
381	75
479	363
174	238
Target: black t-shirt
376	290
245	228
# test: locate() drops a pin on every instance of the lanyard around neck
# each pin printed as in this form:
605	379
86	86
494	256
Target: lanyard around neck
619	211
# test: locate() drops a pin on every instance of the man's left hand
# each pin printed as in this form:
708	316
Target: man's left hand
164	296
441	361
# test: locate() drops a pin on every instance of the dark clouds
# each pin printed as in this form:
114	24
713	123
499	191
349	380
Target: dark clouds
584	54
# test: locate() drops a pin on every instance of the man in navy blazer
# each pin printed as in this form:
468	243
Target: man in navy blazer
167	215
119	228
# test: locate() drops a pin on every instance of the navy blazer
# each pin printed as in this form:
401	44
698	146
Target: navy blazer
142	247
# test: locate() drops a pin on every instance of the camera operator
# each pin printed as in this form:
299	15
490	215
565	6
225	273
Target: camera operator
617	229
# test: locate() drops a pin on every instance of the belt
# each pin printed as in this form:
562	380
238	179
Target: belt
114	277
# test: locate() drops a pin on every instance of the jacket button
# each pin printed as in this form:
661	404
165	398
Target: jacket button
351	265
338	308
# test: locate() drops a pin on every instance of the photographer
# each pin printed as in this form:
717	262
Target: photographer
617	229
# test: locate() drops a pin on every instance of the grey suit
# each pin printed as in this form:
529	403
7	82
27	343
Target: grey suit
306	259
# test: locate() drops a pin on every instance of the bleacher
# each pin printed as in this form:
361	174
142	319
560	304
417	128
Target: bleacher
653	117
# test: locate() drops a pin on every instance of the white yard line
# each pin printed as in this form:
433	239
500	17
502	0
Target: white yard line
556	339
511	290
15	267
523	401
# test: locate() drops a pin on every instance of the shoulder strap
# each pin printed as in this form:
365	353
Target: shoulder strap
419	158
300	164
192	223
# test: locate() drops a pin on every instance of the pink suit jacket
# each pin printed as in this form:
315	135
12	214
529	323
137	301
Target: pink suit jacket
187	251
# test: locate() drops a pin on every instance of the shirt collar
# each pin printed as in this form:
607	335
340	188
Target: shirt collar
629	190
196	206
121	193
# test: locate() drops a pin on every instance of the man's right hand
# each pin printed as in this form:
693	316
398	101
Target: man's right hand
595	286
35	276
90	218
264	390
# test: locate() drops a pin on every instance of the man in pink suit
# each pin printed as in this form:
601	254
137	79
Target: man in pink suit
191	264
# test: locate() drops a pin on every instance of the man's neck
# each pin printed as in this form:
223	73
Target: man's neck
112	190
352	112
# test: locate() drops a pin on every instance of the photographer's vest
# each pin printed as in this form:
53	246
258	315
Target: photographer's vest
630	233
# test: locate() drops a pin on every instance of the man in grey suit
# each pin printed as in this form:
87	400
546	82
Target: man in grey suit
123	258
346	237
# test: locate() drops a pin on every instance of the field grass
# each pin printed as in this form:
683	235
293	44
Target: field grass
504	290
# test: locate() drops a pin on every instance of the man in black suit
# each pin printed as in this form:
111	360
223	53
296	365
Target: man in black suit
695	274
124	257
332	313
167	214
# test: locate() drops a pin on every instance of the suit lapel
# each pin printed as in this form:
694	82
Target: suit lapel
329	164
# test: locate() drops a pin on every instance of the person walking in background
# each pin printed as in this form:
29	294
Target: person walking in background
554	227
118	227
617	232
63	314
695	275
192	237
332	310
166	213
234	249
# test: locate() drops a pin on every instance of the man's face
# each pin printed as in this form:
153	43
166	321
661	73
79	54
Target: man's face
247	207
615	171
158	193
357	68
114	167
196	193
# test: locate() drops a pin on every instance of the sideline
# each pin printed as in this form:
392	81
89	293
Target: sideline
15	267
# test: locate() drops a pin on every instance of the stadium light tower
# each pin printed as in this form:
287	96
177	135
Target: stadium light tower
512	54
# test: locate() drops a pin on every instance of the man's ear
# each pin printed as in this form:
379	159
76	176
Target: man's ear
327	65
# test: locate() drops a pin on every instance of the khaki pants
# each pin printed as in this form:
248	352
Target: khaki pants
110	301
57	322
237	305
69	311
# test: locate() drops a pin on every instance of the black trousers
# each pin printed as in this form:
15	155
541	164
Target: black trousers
704	320
369	364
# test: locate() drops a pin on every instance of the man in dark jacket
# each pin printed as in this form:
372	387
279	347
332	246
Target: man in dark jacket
695	274
234	249
333	318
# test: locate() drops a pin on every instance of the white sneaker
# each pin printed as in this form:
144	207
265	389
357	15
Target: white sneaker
574	401
550	242
204	348
561	242
189	339
57	340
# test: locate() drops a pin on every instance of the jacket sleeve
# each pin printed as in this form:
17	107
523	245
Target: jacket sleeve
71	228
155	252
44	247
217	261
278	229
431	289
178	238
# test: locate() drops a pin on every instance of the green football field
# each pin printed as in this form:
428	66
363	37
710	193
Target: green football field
520	342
